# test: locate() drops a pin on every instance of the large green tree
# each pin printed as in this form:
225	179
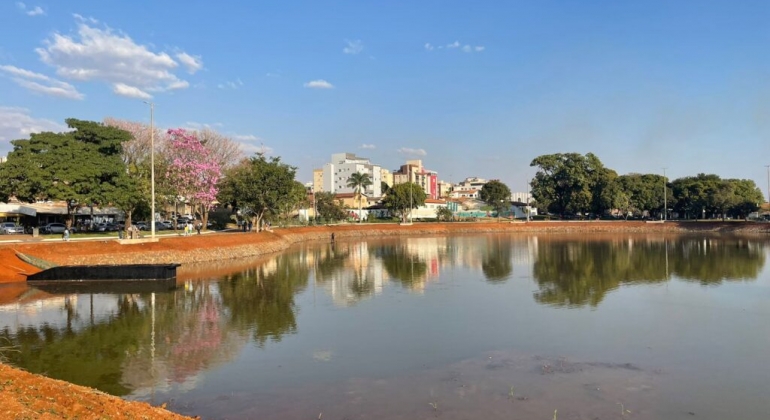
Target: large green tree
402	198
80	167
496	194
571	183
257	186
359	181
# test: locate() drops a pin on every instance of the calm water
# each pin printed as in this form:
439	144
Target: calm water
497	326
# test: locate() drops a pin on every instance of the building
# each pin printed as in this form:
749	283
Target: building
521	197
387	177
336	173
472	183
414	172
318	180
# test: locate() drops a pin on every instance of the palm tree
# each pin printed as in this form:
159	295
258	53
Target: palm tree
359	181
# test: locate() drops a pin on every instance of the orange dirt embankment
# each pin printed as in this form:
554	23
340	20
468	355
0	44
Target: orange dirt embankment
225	246
24	395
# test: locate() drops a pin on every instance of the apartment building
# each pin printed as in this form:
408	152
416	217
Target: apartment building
335	174
413	171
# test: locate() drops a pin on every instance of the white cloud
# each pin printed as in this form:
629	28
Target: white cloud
231	84
193	63
353	47
368	146
130	91
456	45
319	84
41	83
245	137
412	152
36	11
101	54
17	123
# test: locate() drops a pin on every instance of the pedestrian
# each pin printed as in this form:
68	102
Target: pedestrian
199	226
66	234
250	225
332	237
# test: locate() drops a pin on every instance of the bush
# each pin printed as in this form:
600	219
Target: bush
220	218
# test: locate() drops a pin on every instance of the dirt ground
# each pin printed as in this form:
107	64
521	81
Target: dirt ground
27	396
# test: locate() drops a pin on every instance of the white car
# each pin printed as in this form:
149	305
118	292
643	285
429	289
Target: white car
10	228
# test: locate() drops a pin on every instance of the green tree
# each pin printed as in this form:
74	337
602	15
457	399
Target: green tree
570	183
402	198
444	214
257	186
79	167
496	194
296	199
359	181
384	187
329	208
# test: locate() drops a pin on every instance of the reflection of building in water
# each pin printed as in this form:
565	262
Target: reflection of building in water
348	273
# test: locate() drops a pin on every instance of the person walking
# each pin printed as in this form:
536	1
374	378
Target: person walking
66	234
199	226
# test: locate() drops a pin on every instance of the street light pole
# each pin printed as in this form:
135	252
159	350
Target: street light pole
152	169
665	205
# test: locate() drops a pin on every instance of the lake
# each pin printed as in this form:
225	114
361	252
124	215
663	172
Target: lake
499	326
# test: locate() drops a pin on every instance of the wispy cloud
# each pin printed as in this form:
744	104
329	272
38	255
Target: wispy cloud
123	89
41	83
17	123
412	152
245	137
319	84
353	47
35	11
368	146
466	48
193	63
231	84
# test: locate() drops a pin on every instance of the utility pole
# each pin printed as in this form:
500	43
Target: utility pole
768	182
152	169
665	205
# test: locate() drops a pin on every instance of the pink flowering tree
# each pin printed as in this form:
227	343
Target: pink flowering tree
192	170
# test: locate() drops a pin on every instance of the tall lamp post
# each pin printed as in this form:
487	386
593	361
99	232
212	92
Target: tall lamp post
665	205
152	169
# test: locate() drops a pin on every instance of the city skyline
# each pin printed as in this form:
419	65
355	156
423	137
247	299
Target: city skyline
472	90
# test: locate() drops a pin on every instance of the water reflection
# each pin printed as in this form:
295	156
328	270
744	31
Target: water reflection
576	273
141	343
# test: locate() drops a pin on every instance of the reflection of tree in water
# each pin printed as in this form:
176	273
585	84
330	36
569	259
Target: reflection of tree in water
409	269
261	300
496	263
92	356
712	261
571	273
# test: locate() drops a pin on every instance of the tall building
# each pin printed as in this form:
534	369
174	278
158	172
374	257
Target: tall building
318	180
336	173
413	171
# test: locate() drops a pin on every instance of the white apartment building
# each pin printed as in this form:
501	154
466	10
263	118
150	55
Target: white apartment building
336	173
521	197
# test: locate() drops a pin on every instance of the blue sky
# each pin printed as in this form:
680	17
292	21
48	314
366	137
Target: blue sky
471	88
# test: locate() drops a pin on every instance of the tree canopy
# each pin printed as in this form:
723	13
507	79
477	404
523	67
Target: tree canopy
404	197
496	194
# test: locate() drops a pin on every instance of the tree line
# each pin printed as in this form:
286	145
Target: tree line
575	184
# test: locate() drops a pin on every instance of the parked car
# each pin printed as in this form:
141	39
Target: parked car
142	225
160	226
10	228
168	224
56	228
105	227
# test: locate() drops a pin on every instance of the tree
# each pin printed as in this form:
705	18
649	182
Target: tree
79	167
293	201
384	187
358	181
571	183
329	207
257	186
193	172
224	150
402	198
444	214
136	157
496	194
